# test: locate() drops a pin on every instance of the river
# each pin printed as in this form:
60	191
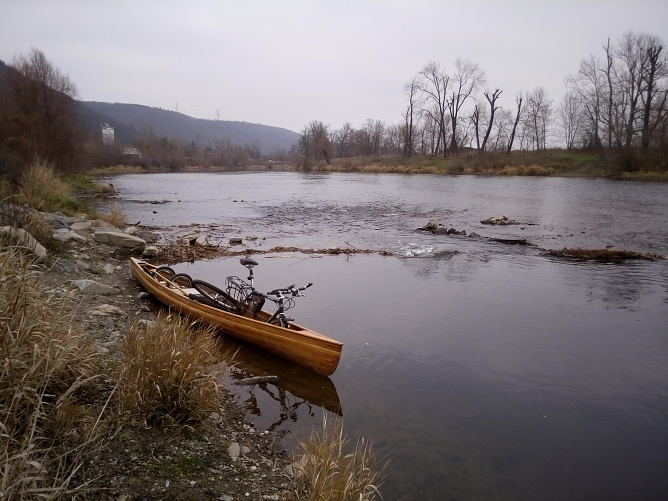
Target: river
482	370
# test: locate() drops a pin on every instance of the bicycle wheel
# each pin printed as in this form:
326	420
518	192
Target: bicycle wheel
164	272
182	279
215	297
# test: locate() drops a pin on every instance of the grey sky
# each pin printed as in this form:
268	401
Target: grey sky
285	63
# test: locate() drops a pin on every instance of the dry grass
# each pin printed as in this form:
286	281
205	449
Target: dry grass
41	188
47	367
115	170
116	216
328	471
169	373
521	170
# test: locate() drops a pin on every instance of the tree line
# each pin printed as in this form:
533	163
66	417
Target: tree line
615	101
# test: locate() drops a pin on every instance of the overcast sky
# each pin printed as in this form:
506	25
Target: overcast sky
287	62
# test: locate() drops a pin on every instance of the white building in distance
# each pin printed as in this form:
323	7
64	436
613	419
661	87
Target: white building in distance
107	135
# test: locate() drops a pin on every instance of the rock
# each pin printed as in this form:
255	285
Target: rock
92	287
251	237
120	239
108	323
143	295
82	264
244	450
234	450
503	220
109	269
82	225
146	324
131	230
20	237
150	252
190	238
236	240
435	227
107	309
65	234
201	241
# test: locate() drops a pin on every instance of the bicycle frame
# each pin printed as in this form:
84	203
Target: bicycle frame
246	294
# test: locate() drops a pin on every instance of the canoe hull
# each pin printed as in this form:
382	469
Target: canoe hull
297	344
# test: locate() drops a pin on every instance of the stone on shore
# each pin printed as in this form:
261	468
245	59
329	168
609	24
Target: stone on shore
93	287
65	234
150	252
22	238
120	239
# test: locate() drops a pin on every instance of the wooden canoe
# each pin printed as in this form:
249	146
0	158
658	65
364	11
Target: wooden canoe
296	343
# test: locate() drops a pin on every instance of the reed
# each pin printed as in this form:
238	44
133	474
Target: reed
47	365
167	375
116	216
329	470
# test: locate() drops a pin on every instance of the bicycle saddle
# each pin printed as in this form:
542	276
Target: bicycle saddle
246	261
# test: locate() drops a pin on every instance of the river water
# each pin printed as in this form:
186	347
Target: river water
482	370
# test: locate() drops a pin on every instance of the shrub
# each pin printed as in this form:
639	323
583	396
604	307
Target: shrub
326	472
46	364
167	374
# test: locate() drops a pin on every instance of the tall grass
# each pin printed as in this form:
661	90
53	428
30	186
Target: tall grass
41	188
116	216
46	365
167	375
329	470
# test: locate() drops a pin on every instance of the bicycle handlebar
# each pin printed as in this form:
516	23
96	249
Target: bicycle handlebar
294	291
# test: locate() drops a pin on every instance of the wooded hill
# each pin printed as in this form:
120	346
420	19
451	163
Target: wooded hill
131	120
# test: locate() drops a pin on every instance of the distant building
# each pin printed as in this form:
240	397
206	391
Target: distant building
132	152
107	135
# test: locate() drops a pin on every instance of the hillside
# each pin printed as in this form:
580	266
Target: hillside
133	118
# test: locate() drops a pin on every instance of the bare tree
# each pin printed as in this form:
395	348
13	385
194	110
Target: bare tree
44	111
411	89
476	117
318	134
518	117
570	117
538	112
342	138
589	86
656	69
433	84
468	78
492	110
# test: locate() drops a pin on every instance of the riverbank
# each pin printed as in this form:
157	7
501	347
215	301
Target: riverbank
168	462
554	162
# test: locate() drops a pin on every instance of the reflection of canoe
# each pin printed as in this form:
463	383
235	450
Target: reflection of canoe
296	343
316	389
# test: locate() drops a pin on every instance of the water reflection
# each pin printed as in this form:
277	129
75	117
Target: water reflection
297	393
